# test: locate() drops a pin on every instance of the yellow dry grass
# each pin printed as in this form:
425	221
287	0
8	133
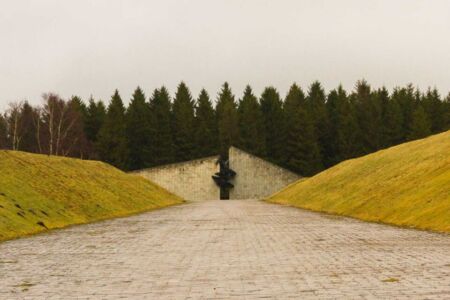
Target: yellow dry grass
40	192
406	185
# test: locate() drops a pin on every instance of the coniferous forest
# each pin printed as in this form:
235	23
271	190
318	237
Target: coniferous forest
306	131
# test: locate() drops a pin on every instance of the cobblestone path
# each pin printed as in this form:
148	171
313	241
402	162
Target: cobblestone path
227	249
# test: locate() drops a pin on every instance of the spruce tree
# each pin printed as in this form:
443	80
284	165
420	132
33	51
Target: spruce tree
112	140
369	116
95	116
28	141
333	110
406	98
295	99
227	119
318	112
76	143
343	127
162	141
80	106
435	109
251	124
183	123
274	124
420	125
302	146
206	130
140	128
392	124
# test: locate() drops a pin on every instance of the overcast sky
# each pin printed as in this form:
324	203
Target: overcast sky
81	47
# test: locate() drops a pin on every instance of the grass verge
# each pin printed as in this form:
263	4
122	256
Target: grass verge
40	192
406	185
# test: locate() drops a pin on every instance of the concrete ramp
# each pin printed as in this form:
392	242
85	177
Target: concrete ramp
192	180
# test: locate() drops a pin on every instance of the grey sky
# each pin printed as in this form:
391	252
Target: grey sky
92	47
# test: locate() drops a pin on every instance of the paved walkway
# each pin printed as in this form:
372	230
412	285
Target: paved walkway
227	249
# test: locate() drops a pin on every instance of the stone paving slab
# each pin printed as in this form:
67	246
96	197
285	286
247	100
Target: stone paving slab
227	249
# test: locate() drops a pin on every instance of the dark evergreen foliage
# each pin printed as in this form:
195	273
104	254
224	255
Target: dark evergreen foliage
28	140
392	123
303	133
446	113
112	138
77	143
295	99
251	124
95	116
318	113
206	131
227	120
139	128
434	106
183	117
274	124
343	127
420	126
302	146
161	141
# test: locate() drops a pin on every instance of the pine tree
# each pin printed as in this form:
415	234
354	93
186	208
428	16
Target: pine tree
139	130
302	145
162	141
227	119
206	130
420	126
251	126
274	124
318	112
183	123
112	140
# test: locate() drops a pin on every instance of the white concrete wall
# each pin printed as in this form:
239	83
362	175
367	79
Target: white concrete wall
190	180
256	178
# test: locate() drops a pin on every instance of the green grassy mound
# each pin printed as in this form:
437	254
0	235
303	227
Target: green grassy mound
40	192
406	185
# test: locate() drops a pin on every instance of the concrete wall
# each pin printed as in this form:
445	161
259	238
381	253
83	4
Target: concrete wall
256	178
190	180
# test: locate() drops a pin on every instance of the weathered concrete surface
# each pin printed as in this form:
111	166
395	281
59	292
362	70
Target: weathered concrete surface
190	180
228	249
256	178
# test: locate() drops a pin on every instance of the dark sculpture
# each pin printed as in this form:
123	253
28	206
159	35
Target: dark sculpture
223	177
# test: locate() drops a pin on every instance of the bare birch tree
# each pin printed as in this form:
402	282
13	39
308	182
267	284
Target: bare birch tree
14	123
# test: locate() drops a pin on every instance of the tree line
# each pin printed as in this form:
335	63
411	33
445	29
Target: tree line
305	132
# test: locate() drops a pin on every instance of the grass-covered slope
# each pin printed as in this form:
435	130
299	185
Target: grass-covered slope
406	185
39	192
